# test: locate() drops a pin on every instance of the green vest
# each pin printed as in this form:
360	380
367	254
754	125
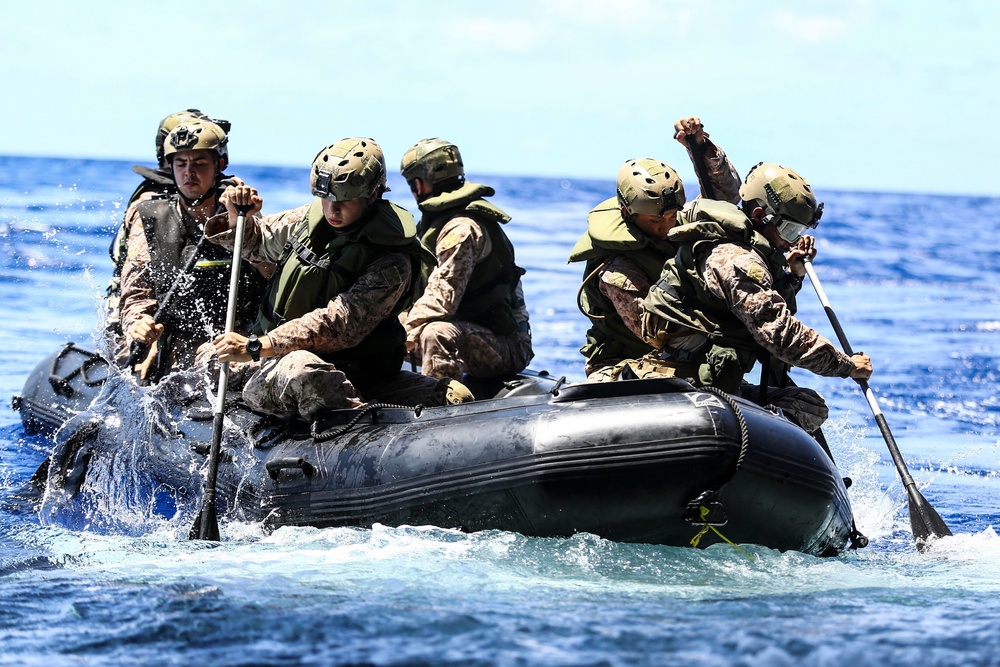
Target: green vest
206	297
608	235
491	295
317	264
683	299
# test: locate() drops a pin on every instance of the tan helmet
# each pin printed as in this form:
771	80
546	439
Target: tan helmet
433	161
175	119
196	135
784	195
648	186
348	169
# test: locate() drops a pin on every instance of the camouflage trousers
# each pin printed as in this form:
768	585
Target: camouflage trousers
449	349
302	384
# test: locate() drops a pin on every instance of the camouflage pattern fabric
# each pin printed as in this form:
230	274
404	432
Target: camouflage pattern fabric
343	322
450	348
298	381
624	283
725	179
741	278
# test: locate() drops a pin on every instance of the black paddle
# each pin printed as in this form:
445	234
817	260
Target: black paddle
700	168
924	519
206	524
139	349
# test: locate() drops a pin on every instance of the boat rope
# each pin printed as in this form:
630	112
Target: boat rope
744	430
324	436
706	509
707	527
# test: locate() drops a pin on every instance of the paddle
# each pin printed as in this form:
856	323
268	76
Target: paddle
698	152
206	524
139	349
924	519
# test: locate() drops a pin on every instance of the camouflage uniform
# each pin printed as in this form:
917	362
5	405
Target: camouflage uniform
724	302
739	277
624	282
448	348
298	380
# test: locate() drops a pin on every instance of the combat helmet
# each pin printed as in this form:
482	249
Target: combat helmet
197	135
433	161
787	199
348	169
648	186
175	119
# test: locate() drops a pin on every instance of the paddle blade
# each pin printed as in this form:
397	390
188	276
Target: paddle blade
925	522
206	525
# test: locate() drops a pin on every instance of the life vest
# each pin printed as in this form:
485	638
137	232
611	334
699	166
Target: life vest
200	303
317	264
491	294
158	181
682	298
609	234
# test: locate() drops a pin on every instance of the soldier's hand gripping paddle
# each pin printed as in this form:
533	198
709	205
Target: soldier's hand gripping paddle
925	522
206	524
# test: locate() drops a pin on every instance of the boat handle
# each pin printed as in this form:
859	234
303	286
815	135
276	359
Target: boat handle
275	466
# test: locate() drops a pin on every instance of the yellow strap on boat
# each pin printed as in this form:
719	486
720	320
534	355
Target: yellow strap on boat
706	527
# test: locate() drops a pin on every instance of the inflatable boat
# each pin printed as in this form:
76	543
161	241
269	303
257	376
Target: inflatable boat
652	461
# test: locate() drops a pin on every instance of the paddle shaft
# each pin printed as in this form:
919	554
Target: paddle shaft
206	525
924	519
139	349
700	168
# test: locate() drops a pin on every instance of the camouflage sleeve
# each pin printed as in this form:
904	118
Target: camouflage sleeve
625	285
723	175
137	296
263	237
741	278
460	245
349	318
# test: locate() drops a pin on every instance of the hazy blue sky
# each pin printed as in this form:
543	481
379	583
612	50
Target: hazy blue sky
854	94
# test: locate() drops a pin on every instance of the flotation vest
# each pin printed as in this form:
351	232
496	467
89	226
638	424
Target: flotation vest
608	234
491	295
681	296
317	264
205	298
158	181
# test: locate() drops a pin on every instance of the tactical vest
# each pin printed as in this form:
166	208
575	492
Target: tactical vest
608	235
683	299
490	297
200	305
317	264
158	181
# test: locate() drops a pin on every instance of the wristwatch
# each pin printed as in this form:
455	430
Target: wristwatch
253	347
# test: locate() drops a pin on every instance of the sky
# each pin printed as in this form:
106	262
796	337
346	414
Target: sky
867	95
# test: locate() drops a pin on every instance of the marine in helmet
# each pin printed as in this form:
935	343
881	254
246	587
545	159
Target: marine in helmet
626	244
470	316
727	297
155	182
164	231
327	334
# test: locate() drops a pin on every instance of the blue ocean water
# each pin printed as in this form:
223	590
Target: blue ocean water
916	283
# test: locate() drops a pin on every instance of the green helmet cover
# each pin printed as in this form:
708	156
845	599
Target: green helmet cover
348	169
781	192
196	135
650	187
433	161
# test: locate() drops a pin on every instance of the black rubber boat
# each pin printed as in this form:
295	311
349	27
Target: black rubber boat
651	461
